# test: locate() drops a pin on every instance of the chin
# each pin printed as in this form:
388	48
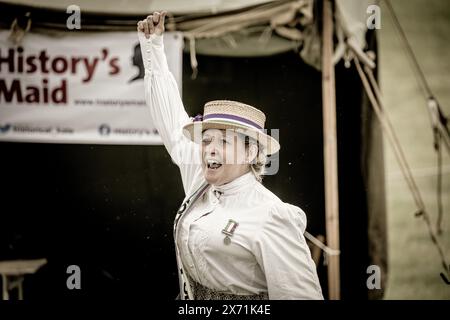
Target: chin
210	180
212	177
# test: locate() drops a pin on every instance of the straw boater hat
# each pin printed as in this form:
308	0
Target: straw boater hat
226	114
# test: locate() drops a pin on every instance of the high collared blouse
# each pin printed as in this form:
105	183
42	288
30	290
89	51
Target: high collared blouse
263	249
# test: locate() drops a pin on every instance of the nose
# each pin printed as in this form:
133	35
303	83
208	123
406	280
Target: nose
211	148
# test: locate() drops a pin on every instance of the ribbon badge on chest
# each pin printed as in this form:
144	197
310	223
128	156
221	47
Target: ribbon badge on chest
229	231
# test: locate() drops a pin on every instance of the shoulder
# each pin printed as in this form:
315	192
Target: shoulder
276	212
288	215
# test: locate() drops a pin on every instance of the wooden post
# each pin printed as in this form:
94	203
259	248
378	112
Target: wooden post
330	151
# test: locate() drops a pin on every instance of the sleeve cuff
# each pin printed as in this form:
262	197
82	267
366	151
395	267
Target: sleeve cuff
157	40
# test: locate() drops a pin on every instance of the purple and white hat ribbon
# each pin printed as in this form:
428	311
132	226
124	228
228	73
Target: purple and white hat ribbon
223	117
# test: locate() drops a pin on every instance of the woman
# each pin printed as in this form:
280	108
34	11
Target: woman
234	238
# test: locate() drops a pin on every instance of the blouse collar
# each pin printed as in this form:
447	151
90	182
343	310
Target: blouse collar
235	186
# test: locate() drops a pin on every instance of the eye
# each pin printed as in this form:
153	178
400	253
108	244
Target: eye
206	140
224	141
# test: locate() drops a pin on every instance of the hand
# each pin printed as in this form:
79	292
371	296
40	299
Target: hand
153	24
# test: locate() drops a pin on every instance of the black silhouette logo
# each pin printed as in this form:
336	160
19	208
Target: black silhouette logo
137	62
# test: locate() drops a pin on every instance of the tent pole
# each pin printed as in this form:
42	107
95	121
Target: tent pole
330	151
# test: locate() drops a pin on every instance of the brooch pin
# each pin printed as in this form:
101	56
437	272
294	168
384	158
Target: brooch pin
229	231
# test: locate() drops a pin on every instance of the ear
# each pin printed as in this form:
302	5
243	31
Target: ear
252	152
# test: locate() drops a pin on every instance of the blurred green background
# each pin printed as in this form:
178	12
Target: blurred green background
414	261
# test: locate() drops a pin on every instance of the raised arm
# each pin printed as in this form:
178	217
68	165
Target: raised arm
164	101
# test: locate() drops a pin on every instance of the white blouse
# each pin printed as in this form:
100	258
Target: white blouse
266	251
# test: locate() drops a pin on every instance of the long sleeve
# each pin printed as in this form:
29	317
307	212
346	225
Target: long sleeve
284	257
167	110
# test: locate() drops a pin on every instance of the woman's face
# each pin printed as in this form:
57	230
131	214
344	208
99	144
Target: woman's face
224	156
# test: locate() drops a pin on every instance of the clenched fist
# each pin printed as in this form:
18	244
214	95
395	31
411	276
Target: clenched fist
153	24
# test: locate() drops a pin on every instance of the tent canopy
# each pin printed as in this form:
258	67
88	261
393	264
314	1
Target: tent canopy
242	28
142	7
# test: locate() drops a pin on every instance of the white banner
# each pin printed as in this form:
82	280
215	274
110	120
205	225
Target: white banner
78	88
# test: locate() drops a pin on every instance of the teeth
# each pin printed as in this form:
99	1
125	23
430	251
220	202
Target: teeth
212	163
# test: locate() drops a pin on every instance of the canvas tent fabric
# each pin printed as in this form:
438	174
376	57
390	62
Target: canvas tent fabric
142	7
237	28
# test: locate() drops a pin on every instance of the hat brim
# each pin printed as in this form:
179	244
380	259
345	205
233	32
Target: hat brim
193	131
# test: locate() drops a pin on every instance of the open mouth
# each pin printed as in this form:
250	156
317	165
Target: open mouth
213	164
